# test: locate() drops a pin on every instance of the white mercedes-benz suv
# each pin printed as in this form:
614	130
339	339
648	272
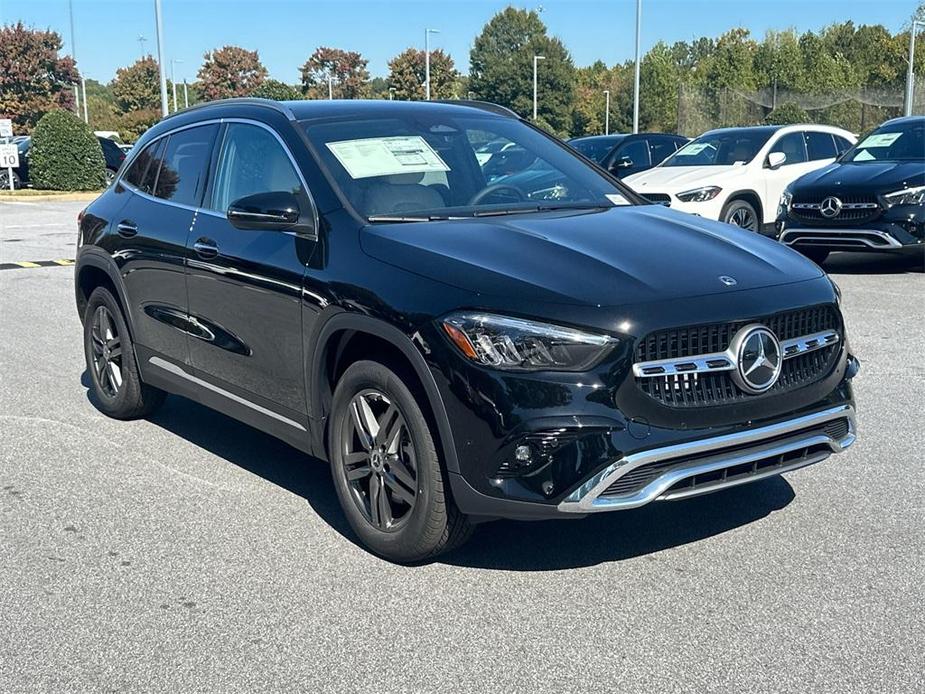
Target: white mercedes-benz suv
737	175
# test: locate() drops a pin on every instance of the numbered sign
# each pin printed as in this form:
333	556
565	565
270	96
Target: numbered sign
6	127
9	156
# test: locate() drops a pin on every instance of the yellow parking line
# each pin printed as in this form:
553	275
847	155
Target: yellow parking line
26	263
63	261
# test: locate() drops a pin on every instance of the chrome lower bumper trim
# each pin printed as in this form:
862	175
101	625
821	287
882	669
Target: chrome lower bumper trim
822	236
748	447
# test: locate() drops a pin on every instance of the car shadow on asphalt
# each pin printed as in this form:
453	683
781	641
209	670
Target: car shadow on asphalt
501	545
873	264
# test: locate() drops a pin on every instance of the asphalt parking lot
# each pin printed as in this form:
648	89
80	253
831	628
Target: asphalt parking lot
191	553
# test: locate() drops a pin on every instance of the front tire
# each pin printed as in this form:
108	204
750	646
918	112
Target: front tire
741	214
110	356
386	468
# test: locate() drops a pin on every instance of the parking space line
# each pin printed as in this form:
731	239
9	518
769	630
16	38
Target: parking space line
20	264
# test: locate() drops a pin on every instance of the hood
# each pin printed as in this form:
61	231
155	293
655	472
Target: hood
623	255
677	179
862	177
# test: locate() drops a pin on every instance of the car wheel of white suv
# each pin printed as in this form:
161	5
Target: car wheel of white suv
741	214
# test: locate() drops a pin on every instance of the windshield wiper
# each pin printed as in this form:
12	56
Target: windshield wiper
539	208
405	218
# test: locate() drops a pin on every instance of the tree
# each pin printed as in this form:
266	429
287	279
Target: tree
407	72
137	87
33	79
230	71
659	81
501	67
346	69
787	114
279	91
65	154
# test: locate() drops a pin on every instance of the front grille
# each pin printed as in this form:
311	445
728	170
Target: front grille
709	389
639	477
814	217
660	198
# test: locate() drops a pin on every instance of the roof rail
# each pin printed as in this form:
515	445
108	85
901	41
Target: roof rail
244	101
481	105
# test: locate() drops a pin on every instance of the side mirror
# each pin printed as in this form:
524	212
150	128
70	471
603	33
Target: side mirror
776	160
276	211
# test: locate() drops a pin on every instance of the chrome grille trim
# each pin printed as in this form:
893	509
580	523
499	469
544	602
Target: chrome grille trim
844	205
873	238
762	442
726	361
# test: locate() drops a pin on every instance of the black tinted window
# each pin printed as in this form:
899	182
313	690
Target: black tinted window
792	146
185	162
842	145
660	148
143	170
819	145
637	152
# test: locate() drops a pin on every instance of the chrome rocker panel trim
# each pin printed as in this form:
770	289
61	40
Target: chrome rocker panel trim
700	363
823	236
587	499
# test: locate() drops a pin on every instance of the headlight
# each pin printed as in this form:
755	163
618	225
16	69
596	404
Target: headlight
907	196
524	345
699	194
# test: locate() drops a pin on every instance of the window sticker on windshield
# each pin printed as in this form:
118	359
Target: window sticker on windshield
880	140
690	150
617	199
384	156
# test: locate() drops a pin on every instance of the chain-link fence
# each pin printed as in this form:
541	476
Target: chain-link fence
858	110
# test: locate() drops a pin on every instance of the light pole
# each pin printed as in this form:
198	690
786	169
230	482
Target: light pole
173	81
636	77
160	56
607	112
535	59
910	85
427	33
391	93
185	95
83	81
141	42
330	87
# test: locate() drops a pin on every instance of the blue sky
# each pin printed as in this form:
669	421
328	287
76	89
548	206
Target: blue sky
285	32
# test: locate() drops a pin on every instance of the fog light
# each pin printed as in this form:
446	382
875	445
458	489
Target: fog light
523	454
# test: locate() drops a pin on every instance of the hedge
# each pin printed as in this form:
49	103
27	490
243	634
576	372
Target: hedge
65	154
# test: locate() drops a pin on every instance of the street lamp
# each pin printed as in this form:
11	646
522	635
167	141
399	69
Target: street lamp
535	59
185	94
636	77
427	33
173	81
160	56
83	81
607	112
330	87
391	93
910	86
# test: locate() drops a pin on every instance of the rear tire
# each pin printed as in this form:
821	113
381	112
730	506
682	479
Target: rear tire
111	364
387	472
5	180
741	214
817	255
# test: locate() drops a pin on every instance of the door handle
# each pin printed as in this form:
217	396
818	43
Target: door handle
127	228
205	248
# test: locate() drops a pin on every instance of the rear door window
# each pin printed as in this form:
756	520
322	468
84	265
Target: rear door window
143	171
819	145
792	146
185	163
660	148
636	151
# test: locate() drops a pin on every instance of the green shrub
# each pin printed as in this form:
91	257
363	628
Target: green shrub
65	154
274	89
787	114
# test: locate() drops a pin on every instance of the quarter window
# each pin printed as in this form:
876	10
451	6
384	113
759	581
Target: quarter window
251	161
185	162
792	146
842	144
143	172
819	145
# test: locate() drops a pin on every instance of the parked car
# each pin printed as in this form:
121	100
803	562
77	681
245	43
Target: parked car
20	173
114	156
871	199
737	175
624	155
343	276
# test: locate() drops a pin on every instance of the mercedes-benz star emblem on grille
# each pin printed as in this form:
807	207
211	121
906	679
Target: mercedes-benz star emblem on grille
728	281
759	359
830	207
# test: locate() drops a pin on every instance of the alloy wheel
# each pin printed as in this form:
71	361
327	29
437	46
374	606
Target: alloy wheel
742	217
379	460
107	352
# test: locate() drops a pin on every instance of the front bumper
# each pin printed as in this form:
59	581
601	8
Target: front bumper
900	229
708	465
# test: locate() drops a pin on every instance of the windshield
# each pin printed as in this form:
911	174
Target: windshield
721	148
892	142
421	164
595	148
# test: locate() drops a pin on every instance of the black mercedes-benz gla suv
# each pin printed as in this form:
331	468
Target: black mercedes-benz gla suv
342	275
871	199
